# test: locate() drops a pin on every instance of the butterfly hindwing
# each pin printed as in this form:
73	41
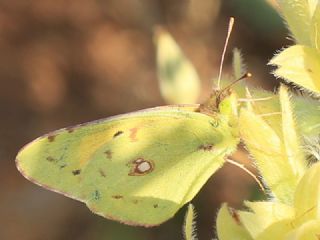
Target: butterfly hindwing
137	168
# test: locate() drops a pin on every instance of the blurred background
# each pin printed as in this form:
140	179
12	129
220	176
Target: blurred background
65	62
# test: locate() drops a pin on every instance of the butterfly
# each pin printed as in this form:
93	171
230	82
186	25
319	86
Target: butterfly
137	168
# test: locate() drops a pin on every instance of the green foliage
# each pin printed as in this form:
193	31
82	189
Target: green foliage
300	64
298	26
228	225
277	148
278	155
178	79
293	212
189	228
239	68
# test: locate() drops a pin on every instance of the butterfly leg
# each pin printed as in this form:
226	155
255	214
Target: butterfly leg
241	166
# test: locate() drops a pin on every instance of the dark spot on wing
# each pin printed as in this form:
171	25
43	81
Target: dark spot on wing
109	154
117	134
141	167
76	172
309	70
50	159
96	195
155	205
102	173
51	137
57	162
135	201
63	166
117	196
206	147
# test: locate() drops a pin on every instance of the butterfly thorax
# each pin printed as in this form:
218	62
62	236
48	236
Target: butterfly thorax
222	103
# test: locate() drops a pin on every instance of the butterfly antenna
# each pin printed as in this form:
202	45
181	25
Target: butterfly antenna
246	75
248	172
231	22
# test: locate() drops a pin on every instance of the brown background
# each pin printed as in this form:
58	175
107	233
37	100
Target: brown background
64	62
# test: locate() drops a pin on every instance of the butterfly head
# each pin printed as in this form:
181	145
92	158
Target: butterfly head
222	101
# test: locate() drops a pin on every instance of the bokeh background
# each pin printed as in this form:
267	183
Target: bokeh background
65	62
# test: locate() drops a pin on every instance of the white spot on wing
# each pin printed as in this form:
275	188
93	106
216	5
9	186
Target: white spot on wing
141	167
144	167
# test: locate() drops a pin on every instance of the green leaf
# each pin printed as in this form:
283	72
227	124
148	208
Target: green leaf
189	229
239	68
263	215
178	80
277	231
315	26
300	65
307	195
229	227
291	139
307	112
307	231
297	16
269	154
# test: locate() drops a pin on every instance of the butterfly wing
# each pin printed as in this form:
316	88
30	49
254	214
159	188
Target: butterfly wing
137	168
